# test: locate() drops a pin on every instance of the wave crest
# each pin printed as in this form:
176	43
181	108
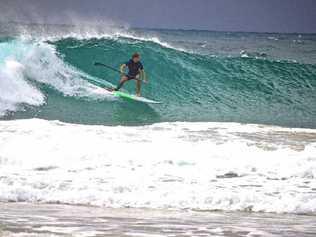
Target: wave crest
24	65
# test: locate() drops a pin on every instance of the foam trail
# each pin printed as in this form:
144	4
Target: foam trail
204	166
43	65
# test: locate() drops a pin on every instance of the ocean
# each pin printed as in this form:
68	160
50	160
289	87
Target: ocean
235	135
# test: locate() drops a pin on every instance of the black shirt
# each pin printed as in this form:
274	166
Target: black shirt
133	68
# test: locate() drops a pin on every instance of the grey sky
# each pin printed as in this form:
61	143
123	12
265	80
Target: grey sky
223	15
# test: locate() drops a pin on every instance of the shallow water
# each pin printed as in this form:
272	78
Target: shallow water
39	220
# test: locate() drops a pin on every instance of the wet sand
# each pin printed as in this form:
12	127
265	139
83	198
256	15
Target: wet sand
25	219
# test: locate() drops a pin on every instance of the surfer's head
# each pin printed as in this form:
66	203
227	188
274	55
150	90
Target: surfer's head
136	57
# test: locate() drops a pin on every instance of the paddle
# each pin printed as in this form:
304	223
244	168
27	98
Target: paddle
107	66
112	68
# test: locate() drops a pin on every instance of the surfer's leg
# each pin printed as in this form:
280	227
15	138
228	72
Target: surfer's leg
122	81
138	85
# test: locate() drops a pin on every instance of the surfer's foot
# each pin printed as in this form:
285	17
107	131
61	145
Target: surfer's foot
138	94
112	89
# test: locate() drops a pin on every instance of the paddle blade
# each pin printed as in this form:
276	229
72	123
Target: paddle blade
97	64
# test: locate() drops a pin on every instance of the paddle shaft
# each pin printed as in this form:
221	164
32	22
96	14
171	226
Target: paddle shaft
107	66
112	68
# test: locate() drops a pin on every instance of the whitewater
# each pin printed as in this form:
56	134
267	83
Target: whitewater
203	166
235	132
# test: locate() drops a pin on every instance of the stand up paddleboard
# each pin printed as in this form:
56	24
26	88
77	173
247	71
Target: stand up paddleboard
125	95
128	96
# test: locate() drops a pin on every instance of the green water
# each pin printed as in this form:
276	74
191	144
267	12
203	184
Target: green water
198	76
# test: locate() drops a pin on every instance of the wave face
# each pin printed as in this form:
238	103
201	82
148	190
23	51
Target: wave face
199	76
197	166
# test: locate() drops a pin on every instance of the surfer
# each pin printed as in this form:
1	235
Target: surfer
135	72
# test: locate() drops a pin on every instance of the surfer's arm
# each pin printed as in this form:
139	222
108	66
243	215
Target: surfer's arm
122	68
143	75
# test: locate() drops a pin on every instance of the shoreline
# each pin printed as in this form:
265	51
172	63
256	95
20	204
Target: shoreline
29	219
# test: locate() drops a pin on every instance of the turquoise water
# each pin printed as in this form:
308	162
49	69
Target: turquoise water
197	75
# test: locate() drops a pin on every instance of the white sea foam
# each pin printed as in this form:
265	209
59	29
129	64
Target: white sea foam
23	64
203	166
14	90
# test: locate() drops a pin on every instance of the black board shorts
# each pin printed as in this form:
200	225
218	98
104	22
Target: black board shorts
129	77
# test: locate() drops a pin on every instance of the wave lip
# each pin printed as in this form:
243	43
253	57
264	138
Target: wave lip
85	32
203	166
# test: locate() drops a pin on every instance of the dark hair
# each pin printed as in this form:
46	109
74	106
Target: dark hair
135	55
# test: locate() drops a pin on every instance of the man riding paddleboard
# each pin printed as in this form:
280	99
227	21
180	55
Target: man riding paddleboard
135	72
